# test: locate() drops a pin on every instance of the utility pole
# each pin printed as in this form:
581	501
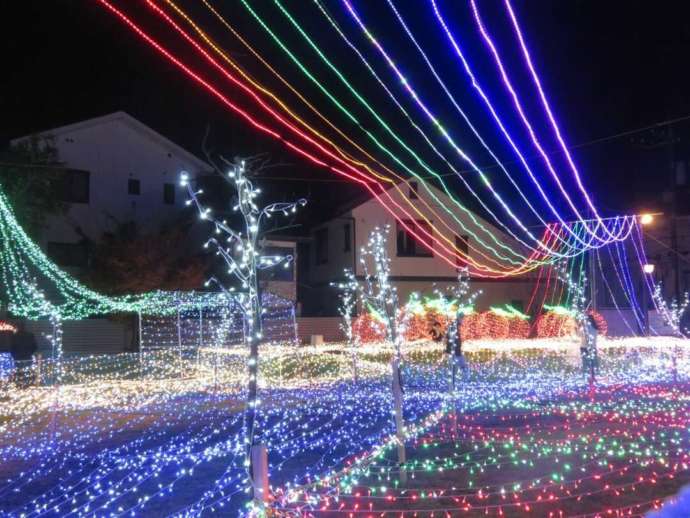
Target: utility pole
674	213
592	280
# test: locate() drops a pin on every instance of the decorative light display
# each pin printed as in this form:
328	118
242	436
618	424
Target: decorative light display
445	242
24	267
378	292
434	119
121	443
535	140
168	430
6	327
546	446
196	327
560	321
242	253
672	313
348	305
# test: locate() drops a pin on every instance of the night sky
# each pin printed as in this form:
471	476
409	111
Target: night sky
607	67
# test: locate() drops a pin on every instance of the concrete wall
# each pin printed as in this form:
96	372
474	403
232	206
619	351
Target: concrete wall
329	327
114	149
92	336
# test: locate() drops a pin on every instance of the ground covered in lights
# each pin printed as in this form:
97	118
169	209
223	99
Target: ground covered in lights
525	435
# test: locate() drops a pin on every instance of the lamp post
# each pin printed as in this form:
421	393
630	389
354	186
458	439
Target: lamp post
648	269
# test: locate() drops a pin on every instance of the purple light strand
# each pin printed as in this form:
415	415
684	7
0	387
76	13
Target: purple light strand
535	140
476	133
434	120
547	108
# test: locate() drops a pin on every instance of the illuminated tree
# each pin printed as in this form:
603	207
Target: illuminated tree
378	292
672	312
127	261
348	304
242	253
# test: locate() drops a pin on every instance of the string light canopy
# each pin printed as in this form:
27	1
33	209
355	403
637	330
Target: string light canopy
493	257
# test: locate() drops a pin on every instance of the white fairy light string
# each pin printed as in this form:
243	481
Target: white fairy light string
673	312
378	291
242	253
348	305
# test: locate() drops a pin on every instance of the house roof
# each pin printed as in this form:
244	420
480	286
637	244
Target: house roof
350	205
134	124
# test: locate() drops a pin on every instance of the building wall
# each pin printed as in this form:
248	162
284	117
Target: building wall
284	288
667	261
328	327
114	149
421	274
338	257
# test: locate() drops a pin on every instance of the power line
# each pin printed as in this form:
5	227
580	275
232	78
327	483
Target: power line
581	145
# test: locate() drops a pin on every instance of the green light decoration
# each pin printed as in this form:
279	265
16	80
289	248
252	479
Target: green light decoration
491	235
560	310
508	311
24	268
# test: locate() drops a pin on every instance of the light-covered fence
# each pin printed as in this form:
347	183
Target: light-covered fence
220	325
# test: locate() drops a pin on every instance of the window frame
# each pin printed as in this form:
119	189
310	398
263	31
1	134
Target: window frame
169	188
347	237
409	246
321	246
66	184
131	182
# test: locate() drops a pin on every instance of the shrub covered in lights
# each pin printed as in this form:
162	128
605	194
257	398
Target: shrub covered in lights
559	321
368	328
428	318
496	323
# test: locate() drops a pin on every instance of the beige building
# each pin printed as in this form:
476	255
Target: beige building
336	245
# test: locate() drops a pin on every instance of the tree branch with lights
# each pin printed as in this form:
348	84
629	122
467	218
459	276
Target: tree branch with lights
241	250
672	312
348	304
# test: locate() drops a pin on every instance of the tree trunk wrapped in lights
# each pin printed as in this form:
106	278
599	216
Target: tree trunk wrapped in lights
348	303
242	253
672	313
378	292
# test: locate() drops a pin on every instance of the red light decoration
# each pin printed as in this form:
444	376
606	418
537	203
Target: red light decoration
7	327
367	329
556	324
600	322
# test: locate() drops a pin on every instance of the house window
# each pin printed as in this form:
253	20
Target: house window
414	190
133	186
462	245
411	246
69	254
169	193
321	238
278	272
346	238
73	186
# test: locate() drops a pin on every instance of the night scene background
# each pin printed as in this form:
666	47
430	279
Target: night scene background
610	68
392	308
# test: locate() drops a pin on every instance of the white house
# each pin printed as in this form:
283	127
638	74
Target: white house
117	170
336	244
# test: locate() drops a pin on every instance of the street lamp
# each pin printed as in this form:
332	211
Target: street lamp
646	219
648	269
